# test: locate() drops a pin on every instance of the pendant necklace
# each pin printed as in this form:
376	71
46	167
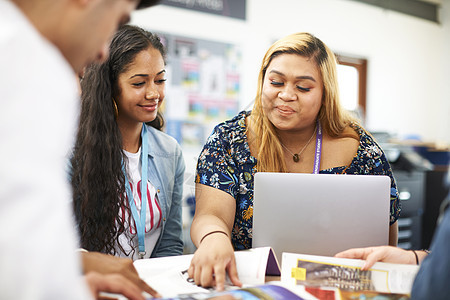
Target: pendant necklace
296	156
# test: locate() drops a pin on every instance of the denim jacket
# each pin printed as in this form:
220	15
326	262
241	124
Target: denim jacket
166	172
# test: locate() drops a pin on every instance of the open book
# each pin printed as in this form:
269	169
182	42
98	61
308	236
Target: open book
168	275
302	277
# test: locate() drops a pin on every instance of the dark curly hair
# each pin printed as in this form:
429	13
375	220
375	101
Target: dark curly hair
97	179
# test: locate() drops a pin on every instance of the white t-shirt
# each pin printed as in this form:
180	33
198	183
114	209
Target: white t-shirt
38	109
153	211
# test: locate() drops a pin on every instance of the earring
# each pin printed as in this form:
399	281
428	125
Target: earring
116	111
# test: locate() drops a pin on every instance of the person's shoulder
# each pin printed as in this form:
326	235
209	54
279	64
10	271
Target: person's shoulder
164	148
19	37
229	131
46	63
159	137
368	144
363	135
237	123
15	25
351	134
359	130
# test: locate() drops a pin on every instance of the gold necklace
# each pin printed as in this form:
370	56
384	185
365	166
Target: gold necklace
296	156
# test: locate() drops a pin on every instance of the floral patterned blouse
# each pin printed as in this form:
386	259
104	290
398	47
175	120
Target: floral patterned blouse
225	163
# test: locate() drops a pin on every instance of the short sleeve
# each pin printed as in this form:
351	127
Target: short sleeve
215	166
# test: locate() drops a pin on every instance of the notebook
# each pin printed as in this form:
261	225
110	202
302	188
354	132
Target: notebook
320	214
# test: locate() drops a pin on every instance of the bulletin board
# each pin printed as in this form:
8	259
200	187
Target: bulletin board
203	87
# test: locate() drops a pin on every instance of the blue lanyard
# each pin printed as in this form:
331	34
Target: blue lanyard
317	154
140	221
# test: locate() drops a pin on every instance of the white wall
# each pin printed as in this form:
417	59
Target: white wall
444	104
408	58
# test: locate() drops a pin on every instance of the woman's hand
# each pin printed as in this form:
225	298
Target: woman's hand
388	254
108	264
212	261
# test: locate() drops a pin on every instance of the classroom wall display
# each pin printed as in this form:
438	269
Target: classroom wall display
203	87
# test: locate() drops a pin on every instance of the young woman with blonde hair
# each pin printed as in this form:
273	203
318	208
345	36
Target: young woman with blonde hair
297	125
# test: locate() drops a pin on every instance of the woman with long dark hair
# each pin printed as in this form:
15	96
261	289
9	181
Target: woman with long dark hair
127	175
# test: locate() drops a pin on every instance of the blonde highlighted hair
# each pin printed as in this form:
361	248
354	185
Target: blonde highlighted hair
332	116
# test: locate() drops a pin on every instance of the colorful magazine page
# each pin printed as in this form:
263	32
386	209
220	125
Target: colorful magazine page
346	274
323	293
265	292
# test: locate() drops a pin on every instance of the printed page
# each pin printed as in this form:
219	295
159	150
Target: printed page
400	277
346	274
172	283
252	264
168	275
156	266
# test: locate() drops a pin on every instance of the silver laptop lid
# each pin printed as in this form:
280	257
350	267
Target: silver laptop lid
320	214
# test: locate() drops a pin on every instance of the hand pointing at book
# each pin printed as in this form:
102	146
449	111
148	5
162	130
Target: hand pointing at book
212	261
210	232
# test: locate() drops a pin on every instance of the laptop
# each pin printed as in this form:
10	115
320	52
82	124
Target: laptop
320	214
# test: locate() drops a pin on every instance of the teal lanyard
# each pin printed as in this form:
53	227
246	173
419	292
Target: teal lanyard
139	220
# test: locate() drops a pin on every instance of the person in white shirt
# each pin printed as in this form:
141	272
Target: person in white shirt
42	45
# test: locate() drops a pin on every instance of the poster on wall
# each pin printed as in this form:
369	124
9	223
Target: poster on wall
227	8
203	87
